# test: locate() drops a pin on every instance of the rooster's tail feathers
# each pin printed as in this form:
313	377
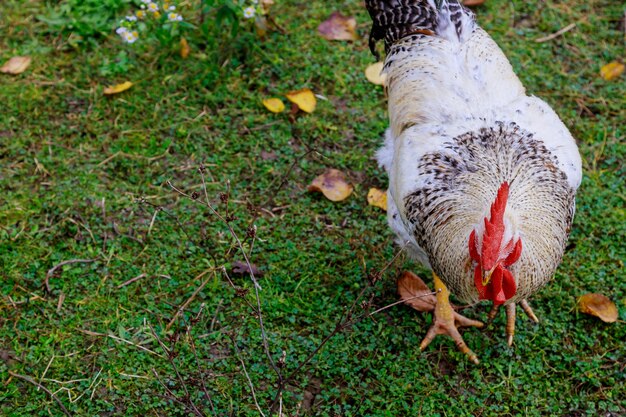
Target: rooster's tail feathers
395	19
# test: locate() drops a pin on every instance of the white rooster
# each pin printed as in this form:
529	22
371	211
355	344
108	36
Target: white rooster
482	177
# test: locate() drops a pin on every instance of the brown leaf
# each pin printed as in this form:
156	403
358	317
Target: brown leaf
472	3
185	49
332	183
268	156
377	198
304	99
16	65
275	105
611	71
338	28
242	268
414	292
118	88
598	305
373	74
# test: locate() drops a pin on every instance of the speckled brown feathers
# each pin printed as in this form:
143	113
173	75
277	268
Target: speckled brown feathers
396	19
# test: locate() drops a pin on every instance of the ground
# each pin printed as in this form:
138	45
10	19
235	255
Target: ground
85	177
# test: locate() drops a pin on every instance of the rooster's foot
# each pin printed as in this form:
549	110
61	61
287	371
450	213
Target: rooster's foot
510	317
447	320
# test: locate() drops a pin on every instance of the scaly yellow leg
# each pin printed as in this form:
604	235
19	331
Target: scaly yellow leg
510	317
447	320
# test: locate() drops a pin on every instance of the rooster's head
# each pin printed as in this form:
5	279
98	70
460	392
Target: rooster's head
494	252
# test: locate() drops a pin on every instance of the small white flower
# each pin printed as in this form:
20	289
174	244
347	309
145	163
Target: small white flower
121	30
131	18
174	17
249	12
171	8
130	37
153	7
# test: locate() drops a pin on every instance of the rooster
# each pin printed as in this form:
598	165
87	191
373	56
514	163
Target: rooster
482	177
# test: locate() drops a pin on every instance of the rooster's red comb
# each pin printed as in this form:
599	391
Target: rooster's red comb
494	229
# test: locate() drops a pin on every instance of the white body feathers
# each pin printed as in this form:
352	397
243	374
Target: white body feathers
446	85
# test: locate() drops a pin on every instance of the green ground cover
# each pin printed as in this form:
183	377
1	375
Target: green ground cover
84	176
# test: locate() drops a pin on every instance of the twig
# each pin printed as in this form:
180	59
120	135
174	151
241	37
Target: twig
343	323
243	366
234	235
192	344
217	310
172	395
180	378
257	287
191	298
52	270
130	281
38	385
182	227
392	305
119	339
557	33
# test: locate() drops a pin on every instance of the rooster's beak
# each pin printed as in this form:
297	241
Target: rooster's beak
487	276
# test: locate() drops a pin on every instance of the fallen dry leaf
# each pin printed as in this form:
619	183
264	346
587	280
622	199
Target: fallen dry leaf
611	71
414	292
338	28
185	49
373	73
332	183
260	24
268	156
304	99
16	65
275	105
115	89
598	305
242	268
377	198
472	3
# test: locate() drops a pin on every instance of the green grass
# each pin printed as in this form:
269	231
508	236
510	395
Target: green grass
81	175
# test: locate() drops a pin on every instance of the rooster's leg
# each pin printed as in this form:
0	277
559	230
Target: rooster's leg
447	320
529	311
510	317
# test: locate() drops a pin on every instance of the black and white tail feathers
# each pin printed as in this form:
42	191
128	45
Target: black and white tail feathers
396	19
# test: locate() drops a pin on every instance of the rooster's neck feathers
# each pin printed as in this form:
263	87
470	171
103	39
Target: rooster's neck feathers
394	20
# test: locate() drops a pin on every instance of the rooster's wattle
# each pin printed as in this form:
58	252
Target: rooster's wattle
482	177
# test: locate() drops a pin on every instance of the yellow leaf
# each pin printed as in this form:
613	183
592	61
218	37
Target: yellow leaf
304	99
114	89
332	183
377	198
598	305
184	48
16	65
338	28
373	74
275	105
260	23
611	71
